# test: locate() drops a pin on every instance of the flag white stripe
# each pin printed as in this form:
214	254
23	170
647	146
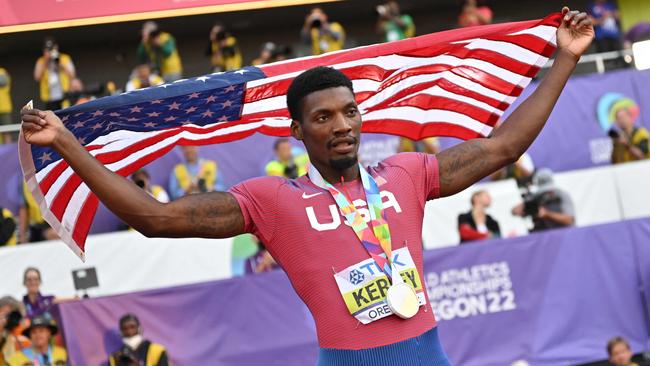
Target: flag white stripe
440	92
432	115
545	33
509	49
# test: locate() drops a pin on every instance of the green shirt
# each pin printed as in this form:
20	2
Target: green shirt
393	32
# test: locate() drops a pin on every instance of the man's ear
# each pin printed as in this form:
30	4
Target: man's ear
296	130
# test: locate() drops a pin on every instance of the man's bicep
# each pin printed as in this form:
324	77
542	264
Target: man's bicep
467	163
206	215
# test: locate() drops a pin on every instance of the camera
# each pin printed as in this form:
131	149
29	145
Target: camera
316	23
126	357
202	185
291	171
533	201
613	134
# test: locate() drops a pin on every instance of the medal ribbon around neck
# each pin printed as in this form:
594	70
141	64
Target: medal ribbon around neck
376	241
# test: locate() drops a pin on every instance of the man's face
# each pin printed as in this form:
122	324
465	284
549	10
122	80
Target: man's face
191	154
283	151
129	328
40	336
143	72
32	282
621	355
485	199
4	311
624	119
330	128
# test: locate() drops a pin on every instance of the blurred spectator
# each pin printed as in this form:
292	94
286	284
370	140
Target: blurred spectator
11	328
522	171
35	303
285	164
5	104
158	49
393	25
194	176
263	262
223	50
630	142
266	54
7	228
321	34
620	353
53	72
77	95
477	224
606	18
143	78
135	349
471	14
429	145
549	206
41	352
33	227
141	179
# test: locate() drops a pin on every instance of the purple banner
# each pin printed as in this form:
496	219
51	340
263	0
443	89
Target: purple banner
548	298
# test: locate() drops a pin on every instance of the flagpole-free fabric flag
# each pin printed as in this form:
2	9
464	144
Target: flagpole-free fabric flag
454	83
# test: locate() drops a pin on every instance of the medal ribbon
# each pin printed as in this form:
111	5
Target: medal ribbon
376	241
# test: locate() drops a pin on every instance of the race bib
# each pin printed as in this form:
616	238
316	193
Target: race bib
363	286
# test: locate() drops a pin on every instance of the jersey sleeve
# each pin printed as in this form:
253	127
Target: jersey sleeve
423	171
258	200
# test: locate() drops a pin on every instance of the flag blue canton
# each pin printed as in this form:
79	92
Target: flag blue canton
209	99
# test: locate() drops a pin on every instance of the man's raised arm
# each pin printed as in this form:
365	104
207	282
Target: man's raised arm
209	215
467	163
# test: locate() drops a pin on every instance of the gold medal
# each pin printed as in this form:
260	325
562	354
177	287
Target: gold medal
402	300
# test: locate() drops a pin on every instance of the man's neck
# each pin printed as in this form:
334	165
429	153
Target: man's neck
334	176
41	349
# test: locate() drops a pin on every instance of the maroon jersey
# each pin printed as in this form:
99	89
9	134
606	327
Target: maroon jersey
301	226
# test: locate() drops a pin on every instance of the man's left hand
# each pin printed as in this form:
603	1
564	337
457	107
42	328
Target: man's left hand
575	33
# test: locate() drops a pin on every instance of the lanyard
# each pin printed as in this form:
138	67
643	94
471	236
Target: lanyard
376	241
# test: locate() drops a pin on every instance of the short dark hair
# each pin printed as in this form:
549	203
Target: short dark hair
313	80
128	317
614	341
279	141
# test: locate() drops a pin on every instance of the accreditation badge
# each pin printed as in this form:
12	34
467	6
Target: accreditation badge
364	287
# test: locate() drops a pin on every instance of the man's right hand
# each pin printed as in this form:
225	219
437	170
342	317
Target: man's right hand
41	128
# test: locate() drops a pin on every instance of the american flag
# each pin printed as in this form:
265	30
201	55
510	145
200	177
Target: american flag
454	83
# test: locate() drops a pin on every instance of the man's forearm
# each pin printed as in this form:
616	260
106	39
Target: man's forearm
521	128
130	203
560	218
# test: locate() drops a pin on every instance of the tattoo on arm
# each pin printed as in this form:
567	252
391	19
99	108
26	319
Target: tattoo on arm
463	165
209	215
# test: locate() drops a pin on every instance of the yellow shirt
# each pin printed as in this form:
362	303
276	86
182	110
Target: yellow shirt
639	138
5	93
324	42
44	84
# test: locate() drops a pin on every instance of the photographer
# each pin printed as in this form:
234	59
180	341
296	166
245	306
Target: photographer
194	176
629	142
158	49
141	179
323	35
7	227
5	104
53	72
223	50
135	349
393	25
548	206
285	164
12	324
143	78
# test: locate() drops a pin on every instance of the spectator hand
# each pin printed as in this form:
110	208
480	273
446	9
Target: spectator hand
542	213
575	33
41	128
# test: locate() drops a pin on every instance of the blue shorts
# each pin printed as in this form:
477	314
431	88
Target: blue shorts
423	350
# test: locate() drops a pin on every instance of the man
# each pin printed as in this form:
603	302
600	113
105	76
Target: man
142	179
158	48
285	164
477	224
11	329
630	143
300	221
136	348
549	206
223	50
606	18
5	104
393	25
194	176
40	332
321	34
143	78
53	72
619	352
